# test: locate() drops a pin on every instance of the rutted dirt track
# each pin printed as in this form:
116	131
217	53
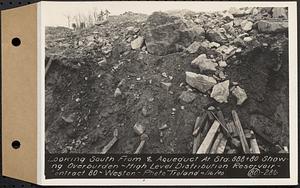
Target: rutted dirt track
88	65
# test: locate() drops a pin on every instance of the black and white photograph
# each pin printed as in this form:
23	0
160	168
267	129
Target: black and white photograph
181	80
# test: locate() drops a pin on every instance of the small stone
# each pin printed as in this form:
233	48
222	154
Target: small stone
220	92
139	128
102	62
194	47
187	96
145	112
222	75
248	39
222	64
182	107
232	151
164	126
247	133
161	134
173	109
246	25
201	82
214	45
240	94
117	92
211	108
235	83
138	79
77	100
166	85
69	118
164	74
137	43
265	44
121	82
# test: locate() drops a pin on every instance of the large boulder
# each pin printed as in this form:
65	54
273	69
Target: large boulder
265	26
220	92
164	33
201	82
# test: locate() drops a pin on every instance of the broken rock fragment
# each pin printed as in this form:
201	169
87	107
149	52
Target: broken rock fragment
187	96
204	64
246	25
240	94
194	47
220	92
217	35
137	43
117	92
166	85
279	12
201	82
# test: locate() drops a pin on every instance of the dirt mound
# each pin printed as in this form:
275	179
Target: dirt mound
98	83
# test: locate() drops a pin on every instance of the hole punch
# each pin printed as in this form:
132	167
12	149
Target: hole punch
16	41
16	144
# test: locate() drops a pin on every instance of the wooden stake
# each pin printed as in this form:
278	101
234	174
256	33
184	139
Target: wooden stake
214	148
111	143
222	145
253	144
208	140
240	131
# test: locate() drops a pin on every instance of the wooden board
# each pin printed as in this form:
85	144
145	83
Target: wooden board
208	140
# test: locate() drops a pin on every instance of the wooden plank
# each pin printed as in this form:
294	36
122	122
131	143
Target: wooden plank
197	142
198	137
214	147
206	128
111	143
221	118
210	117
222	145
224	128
208	140
253	144
199	124
234	130
240	131
230	128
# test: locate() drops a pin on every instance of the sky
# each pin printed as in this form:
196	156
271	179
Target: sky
55	12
